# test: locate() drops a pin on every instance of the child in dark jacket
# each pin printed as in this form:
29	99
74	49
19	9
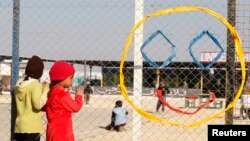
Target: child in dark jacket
164	90
87	92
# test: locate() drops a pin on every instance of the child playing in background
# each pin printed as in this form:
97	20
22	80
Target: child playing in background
164	90
118	118
87	92
245	106
60	104
30	97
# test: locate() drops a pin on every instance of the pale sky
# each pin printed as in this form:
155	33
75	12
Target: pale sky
98	29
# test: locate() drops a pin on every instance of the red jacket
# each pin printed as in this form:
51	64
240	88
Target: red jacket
59	109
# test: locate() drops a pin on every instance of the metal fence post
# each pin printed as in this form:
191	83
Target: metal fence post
15	61
230	65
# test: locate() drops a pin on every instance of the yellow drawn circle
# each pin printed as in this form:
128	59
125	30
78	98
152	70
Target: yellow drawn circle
239	53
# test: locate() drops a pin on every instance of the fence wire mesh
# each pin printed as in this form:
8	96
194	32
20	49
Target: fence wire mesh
92	35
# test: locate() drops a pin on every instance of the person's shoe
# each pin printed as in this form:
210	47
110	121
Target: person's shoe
121	129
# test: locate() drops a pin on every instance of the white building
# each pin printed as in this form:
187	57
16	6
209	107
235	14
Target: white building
5	70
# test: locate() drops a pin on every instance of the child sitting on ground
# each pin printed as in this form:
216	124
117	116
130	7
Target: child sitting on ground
118	118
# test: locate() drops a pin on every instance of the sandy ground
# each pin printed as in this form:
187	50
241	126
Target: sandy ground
89	122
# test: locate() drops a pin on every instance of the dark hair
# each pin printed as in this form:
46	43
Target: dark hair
51	85
118	103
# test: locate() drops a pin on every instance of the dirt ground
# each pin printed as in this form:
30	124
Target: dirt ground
89	122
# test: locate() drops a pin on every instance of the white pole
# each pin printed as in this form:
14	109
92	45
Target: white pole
138	62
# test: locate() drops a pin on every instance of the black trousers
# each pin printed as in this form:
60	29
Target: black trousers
86	98
27	136
160	104
116	128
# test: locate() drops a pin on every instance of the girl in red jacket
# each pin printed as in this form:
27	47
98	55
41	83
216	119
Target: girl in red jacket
60	104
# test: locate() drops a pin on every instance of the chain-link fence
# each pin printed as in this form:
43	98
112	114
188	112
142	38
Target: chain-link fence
191	49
